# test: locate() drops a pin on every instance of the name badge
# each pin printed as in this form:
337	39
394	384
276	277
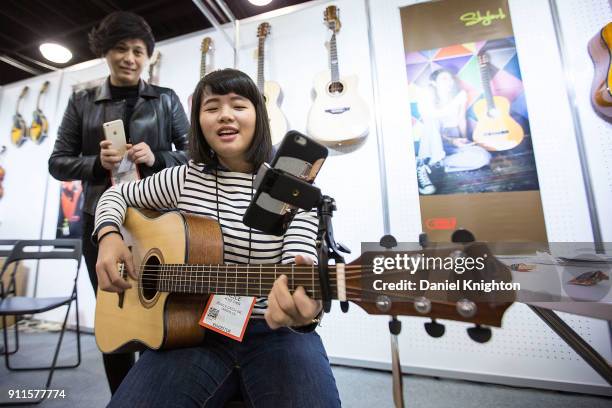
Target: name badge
228	315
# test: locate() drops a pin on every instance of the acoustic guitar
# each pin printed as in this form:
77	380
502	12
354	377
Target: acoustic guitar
600	49
205	48
495	130
179	260
270	90
338	115
19	131
154	66
40	125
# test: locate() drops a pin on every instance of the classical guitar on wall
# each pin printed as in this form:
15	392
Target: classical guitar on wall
270	90
600	49
205	48
179	261
19	131
40	125
154	66
338	115
495	129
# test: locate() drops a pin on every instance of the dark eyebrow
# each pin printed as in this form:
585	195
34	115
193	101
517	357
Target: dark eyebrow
217	99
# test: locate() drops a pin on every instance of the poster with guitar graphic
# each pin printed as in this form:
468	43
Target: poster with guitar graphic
470	125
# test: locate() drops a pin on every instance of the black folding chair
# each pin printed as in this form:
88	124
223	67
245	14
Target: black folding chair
22	305
6	247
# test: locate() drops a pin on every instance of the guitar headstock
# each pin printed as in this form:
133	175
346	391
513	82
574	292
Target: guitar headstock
154	67
44	87
24	92
430	283
332	18
206	43
263	30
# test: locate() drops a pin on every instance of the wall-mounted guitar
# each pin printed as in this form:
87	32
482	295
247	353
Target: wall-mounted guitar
270	90
495	130
205	48
19	132
600	49
154	66
2	171
39	129
179	260
338	115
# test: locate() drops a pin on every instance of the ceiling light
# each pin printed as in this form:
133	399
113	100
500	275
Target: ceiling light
55	53
260	2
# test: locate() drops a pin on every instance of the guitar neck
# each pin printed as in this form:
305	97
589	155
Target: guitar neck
260	64
202	65
242	280
486	86
333	59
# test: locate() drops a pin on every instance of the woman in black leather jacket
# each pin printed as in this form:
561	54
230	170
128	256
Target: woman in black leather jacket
154	120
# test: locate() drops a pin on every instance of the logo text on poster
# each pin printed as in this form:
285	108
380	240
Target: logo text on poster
476	17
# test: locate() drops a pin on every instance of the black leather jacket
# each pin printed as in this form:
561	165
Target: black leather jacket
158	120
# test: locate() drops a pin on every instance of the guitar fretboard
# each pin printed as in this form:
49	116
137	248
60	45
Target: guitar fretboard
260	64
333	59
486	84
240	279
202	65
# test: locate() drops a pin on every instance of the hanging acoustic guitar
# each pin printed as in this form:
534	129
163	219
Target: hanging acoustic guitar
495	130
205	48
600	49
270	90
154	66
19	131
39	129
179	261
338	115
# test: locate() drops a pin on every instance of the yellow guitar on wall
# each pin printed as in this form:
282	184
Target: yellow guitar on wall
205	48
495	130
19	131
40	125
270	90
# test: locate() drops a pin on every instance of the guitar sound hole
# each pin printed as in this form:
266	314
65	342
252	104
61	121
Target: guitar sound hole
150	278
336	87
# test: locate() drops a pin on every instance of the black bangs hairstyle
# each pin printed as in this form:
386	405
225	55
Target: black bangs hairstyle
119	26
223	82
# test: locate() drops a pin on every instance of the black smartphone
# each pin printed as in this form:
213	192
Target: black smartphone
297	155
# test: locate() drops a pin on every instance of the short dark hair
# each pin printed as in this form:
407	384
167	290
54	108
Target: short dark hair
223	82
119	26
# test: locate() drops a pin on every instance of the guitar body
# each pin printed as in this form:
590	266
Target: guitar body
40	127
499	131
19	132
278	121
600	49
146	318
337	119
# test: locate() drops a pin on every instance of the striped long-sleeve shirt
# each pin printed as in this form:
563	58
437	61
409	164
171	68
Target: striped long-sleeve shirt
221	195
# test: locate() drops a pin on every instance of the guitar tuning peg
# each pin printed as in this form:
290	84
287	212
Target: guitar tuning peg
434	329
480	334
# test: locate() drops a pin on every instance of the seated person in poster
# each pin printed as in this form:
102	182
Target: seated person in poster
445	145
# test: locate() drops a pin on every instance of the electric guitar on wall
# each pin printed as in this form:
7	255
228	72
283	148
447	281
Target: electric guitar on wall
40	125
154	66
179	261
270	90
495	130
600	49
205	48
338	115
19	131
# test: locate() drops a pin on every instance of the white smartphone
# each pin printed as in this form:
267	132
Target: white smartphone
115	132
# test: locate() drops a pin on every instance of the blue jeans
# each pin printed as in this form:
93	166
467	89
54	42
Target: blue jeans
272	368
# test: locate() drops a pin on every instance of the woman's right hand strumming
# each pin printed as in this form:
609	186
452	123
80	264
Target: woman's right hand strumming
111	252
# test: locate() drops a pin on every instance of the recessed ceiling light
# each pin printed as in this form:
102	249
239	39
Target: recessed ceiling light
260	2
55	53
